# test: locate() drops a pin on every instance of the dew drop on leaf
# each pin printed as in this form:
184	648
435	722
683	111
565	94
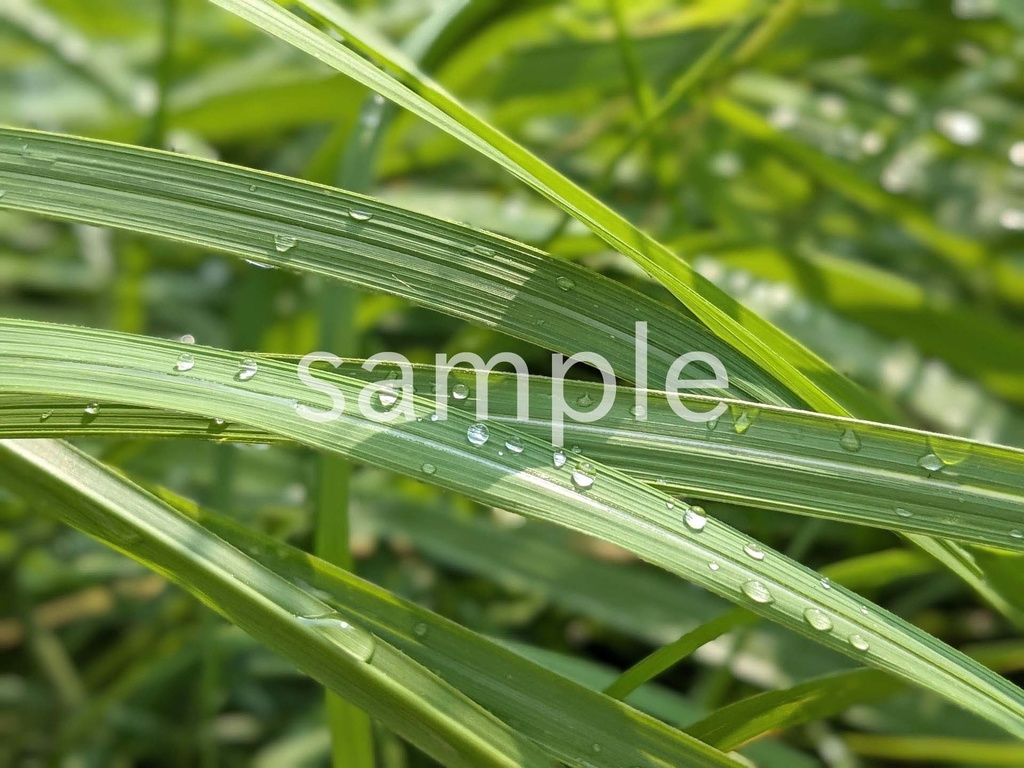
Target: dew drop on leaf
695	519
818	619
185	362
849	441
565	283
859	642
514	444
283	243
754	550
582	477
360	215
460	392
558	458
757	591
247	370
478	434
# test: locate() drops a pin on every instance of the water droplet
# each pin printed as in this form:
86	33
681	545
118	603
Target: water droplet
478	434
483	250
92	409
1016	534
695	519
931	462
757	592
581	477
188	338
387	397
901	512
252	187
248	369
218	423
565	283
515	444
585	400
558	458
435	417
850	441
260	264
284	243
754	551
818	619
638	411
670	505
47	414
460	392
356	642
713	565
420	630
360	215
428	469
743	421
596	747
826	583
185	362
859	642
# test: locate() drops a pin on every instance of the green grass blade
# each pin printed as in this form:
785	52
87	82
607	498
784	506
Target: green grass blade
466	273
109	367
790	363
351	660
762	457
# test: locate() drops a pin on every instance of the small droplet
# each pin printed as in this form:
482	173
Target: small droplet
252	187
901	512
818	619
92	409
188	338
218	423
743	422
1016	534
859	642
428	469
581	477
850	441
284	243
585	400
638	411
356	642
460	392
483	250
248	369
695	519
565	283
514	444
435	416
670	505
757	592
386	397
558	458
826	583
713	565
420	630
931	462
754	551
260	264
478	434
185	362
596	747
47	414
360	215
